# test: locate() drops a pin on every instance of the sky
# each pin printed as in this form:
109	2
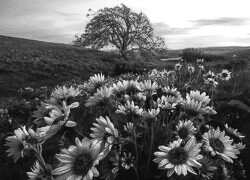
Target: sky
182	23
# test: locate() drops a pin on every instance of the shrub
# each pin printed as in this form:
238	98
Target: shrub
191	54
129	67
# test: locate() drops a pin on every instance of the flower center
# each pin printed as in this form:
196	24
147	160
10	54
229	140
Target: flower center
132	89
171	94
20	147
177	156
224	75
82	164
183	132
191	112
209	76
31	140
217	145
128	161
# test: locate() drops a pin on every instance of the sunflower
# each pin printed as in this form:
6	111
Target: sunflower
197	103
192	107
61	113
198	96
154	73
151	113
210	74
120	87
22	140
149	87
200	64
16	143
165	102
104	130
101	96
201	67
95	81
127	160
63	92
133	87
129	127
234	132
172	94
199	61
129	107
190	68
185	129
218	144
225	75
37	172
208	168
211	82
240	146
176	158
127	87
178	67
140	97
59	117
78	162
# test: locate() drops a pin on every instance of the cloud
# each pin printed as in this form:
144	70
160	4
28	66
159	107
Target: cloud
198	41
163	29
221	21
44	20
60	20
66	14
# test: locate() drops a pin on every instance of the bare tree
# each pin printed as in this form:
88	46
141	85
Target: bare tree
121	28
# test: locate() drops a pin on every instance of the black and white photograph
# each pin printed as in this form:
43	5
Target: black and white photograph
124	90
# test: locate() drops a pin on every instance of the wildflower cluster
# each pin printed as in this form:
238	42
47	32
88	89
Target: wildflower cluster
29	93
186	77
145	125
4	113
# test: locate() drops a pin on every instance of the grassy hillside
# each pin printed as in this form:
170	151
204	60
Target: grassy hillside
34	63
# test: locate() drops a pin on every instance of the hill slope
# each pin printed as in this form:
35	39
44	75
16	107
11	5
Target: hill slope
34	63
215	50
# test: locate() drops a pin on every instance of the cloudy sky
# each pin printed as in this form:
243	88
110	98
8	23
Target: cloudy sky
183	23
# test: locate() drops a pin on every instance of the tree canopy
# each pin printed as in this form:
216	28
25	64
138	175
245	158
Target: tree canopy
119	27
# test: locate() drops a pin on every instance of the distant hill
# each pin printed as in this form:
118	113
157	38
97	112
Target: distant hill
225	50
215	50
34	63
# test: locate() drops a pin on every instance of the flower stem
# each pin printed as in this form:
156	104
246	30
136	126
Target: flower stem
150	148
40	158
136	152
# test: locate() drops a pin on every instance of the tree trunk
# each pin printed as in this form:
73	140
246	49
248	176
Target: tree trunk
124	54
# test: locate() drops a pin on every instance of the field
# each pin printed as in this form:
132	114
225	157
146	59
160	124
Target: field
32	63
131	108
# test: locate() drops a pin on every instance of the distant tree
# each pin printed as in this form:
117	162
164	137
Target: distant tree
192	54
121	28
